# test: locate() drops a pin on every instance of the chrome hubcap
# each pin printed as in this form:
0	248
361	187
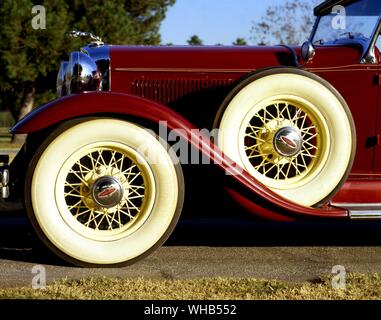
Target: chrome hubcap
107	192
287	142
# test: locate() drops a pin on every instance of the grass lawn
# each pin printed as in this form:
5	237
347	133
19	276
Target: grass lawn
357	287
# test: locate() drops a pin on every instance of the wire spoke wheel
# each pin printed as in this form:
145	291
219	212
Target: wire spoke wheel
282	141
125	192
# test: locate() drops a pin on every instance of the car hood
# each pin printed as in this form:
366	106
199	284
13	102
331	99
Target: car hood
203	59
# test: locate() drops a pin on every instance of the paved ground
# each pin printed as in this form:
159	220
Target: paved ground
210	248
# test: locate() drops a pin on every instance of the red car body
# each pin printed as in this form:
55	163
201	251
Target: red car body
185	87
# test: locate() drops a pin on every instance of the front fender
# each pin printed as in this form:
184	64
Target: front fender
85	104
257	197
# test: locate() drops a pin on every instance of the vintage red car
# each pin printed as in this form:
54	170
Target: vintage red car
294	133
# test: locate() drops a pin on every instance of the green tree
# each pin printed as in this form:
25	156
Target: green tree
121	21
29	59
195	41
288	23
27	56
240	42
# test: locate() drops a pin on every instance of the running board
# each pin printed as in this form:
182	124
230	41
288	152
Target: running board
366	211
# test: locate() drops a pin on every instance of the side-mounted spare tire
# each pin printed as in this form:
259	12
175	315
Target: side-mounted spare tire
103	192
292	131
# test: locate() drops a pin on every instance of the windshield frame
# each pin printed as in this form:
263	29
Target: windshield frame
368	55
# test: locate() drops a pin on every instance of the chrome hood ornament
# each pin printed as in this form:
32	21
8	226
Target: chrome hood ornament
80	34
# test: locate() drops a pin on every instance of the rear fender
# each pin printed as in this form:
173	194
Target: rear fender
90	104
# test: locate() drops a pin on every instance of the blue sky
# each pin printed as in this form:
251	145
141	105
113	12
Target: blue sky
214	21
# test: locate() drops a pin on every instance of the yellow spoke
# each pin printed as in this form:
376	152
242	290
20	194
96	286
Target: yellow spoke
103	160
140	196
67	184
310	138
296	116
108	221
75	205
284	108
128	214
259	155
299	165
79	177
132	205
136	192
276	105
307	129
72	195
267	112
121	163
134	178
101	220
304	163
253	147
113	219
281	171
97	161
289	169
92	218
112	160
136	187
128	171
78	214
277	173
252	152
288	112
260	118
254	128
252	135
119	220
304	120
311	145
295	164
260	139
92	161
261	164
81	170
268	170
75	187
308	155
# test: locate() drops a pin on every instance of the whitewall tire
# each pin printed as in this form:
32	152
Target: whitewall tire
97	198
292	131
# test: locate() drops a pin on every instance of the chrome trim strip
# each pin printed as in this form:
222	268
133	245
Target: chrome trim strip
365	215
184	70
361	211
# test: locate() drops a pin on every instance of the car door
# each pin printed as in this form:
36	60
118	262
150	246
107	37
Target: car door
358	84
